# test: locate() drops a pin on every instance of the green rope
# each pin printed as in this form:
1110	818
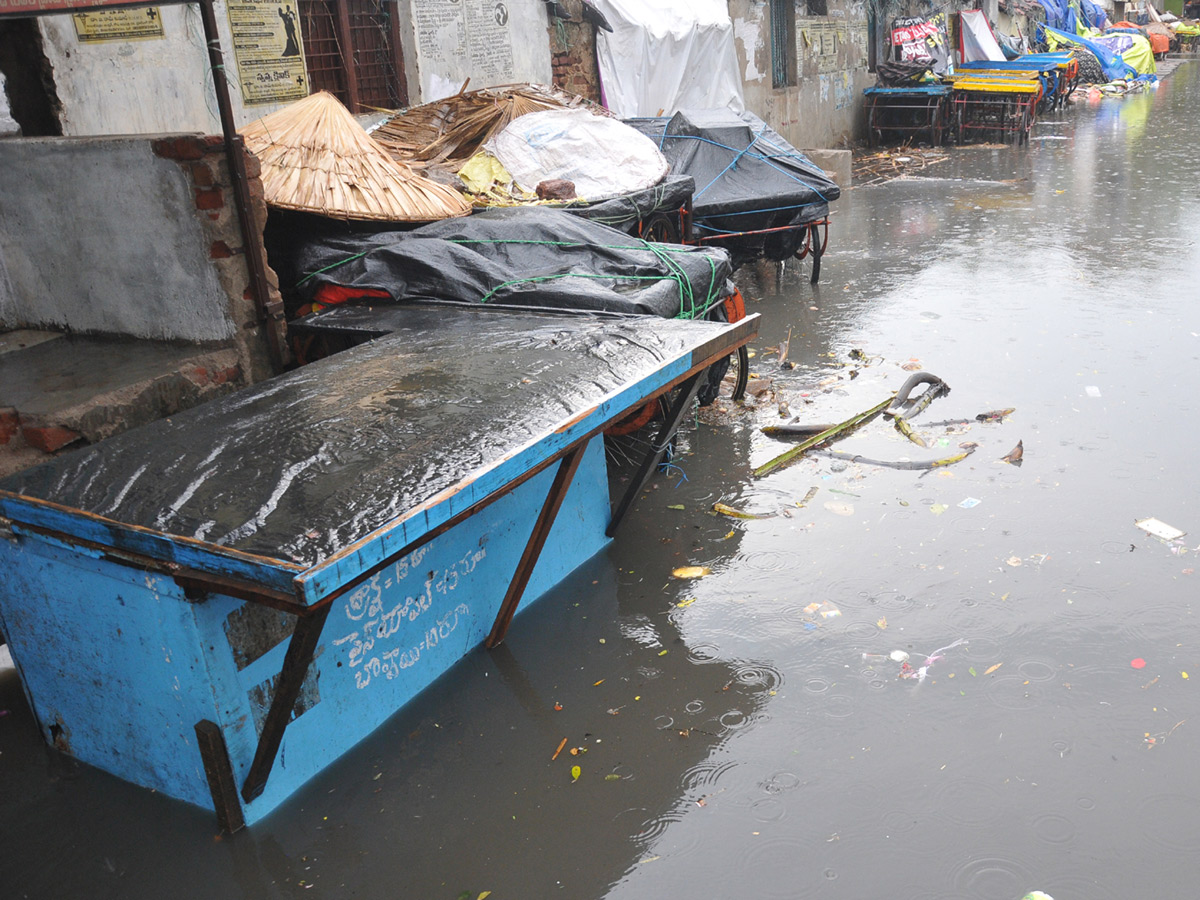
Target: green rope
340	262
689	307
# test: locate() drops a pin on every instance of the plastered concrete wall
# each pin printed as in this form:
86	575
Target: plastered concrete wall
824	108
129	236
446	42
145	86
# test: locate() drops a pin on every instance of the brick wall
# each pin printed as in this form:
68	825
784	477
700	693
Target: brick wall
574	61
204	163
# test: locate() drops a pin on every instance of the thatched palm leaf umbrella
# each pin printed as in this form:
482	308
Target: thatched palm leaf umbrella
316	158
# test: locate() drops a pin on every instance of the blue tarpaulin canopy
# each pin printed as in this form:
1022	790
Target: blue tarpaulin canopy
1114	67
1070	14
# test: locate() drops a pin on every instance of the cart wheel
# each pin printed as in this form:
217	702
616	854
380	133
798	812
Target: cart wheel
740	363
661	229
817	252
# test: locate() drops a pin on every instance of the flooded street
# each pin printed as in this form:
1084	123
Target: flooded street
732	739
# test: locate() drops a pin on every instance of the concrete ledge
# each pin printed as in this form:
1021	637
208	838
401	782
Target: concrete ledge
61	394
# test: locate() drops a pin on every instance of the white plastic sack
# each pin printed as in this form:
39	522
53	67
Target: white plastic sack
663	55
604	157
977	40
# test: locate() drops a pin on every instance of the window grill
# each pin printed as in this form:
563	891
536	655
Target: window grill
783	43
372	73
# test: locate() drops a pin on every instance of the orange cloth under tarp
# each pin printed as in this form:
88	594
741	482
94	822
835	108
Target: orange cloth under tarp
1159	43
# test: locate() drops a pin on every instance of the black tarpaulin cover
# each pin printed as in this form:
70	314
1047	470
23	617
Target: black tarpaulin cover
530	256
627	212
303	465
747	176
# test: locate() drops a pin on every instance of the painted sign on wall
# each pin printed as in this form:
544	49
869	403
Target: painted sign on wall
40	7
472	37
269	51
144	23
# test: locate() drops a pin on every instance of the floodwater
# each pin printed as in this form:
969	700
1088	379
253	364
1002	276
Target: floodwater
733	744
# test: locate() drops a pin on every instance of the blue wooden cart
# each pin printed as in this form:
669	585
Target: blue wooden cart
218	605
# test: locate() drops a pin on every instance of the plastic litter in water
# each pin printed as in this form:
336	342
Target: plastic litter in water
1037	895
1092	391
1138	663
1159	529
970	502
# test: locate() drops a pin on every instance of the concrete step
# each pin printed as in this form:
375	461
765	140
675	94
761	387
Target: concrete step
61	391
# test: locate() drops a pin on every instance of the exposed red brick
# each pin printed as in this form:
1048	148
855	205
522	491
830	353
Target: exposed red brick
219	250
214	142
8	424
187	147
209	199
202	175
214	216
48	438
253	166
231	373
199	376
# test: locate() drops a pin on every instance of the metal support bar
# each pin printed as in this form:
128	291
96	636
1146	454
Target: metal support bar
398	55
683	402
220	776
817	249
735	234
346	44
287	688
537	540
269	314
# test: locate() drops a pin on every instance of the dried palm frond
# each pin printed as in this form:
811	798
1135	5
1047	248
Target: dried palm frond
316	158
449	132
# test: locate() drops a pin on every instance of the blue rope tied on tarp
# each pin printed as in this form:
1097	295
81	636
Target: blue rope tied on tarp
733	162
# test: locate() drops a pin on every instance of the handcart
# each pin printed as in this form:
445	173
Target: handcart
906	111
1056	76
756	195
999	106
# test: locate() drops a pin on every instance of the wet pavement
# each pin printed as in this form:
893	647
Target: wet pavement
731	739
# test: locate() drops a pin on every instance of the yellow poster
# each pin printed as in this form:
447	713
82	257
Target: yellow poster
269	51
139	24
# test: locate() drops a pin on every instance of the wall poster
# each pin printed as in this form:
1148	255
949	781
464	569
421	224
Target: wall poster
269	51
467	37
143	23
918	39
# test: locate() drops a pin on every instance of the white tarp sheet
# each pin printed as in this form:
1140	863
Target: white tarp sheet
605	158
666	54
977	40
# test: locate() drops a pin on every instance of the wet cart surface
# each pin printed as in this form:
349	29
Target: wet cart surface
218	605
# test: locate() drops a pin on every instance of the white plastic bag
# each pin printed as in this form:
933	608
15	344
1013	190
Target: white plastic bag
604	157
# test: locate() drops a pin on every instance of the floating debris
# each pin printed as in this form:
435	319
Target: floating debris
1159	529
1014	456
724	510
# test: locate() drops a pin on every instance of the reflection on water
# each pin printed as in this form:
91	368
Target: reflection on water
736	741
1060	281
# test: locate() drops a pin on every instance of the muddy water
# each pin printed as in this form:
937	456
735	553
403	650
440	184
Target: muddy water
731	743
